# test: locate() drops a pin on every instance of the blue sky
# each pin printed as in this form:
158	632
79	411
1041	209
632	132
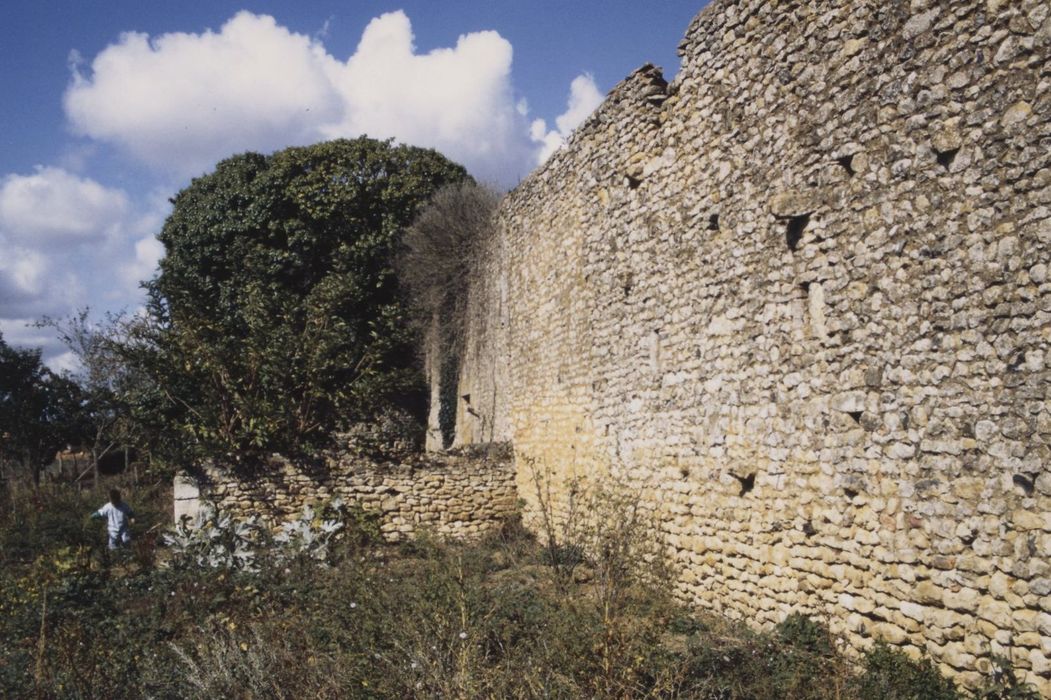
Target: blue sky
110	107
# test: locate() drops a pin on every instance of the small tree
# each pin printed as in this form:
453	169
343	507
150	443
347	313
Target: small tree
107	381
440	250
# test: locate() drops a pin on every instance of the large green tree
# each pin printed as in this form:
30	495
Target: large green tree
276	316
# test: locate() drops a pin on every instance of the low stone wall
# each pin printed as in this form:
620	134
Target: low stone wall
457	496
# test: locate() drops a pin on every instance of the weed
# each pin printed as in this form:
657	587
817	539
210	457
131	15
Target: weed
497	618
891	675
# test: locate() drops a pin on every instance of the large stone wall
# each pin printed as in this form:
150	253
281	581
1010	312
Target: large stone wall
799	300
458	496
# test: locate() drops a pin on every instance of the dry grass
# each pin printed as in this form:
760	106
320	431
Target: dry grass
494	619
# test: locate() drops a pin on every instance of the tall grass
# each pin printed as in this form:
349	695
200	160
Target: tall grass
492	619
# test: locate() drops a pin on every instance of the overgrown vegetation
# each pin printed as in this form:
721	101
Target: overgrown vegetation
440	252
275	321
439	255
494	619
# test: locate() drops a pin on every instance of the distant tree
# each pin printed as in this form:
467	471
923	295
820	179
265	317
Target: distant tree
109	384
276	316
40	412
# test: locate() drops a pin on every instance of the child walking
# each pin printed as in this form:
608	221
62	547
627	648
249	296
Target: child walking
118	516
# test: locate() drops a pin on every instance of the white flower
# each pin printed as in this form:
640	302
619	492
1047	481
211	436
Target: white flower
463	635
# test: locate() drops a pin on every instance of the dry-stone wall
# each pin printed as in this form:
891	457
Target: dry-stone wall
458	496
799	300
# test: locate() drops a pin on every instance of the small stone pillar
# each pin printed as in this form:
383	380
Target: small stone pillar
187	497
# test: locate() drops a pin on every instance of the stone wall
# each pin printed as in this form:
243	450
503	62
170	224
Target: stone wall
799	300
458	496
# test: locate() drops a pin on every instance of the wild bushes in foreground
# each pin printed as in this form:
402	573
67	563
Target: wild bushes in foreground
489	620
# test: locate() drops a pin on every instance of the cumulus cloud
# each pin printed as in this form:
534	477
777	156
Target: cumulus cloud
179	102
53	206
22	274
32	285
141	251
148	251
458	100
584	97
24	333
62	238
50	221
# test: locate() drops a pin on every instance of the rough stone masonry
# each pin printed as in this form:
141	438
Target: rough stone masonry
798	299
460	496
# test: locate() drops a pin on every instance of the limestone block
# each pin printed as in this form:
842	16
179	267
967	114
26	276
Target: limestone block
791	203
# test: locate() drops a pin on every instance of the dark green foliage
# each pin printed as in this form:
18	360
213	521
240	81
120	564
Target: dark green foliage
276	315
800	632
891	675
1005	684
109	385
40	412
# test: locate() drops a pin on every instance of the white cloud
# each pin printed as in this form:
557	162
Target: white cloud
142	251
49	221
52	206
23	333
458	100
22	274
67	241
584	97
180	102
148	252
32	285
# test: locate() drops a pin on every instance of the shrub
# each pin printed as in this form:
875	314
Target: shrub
889	674
800	632
215	540
1004	684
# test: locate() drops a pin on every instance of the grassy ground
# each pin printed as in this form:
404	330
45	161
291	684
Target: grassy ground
504	618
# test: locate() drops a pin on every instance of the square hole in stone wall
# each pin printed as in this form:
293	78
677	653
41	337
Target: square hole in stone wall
794	228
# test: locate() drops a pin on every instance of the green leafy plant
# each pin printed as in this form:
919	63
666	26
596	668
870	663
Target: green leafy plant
40	412
1004	683
891	675
799	631
214	540
434	619
311	535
